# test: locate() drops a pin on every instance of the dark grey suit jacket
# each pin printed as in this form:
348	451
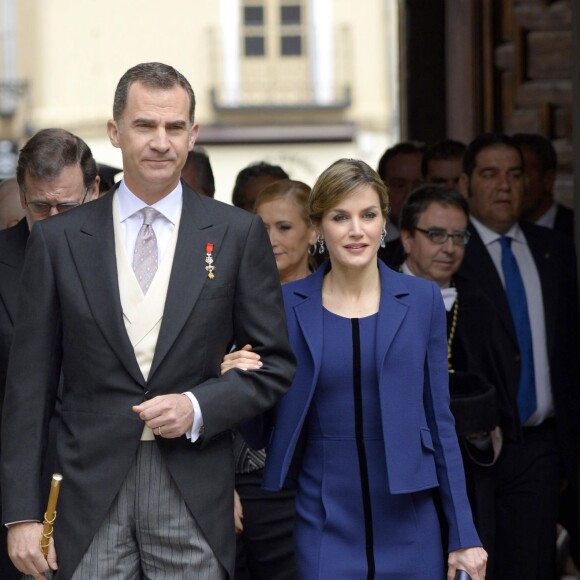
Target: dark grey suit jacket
564	222
12	248
70	315
555	260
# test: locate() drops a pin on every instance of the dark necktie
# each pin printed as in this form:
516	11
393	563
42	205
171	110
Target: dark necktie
516	295
145	257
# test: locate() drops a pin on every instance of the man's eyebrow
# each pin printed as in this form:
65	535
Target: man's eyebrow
143	121
178	124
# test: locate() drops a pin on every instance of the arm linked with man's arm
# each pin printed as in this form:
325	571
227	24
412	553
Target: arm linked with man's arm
259	320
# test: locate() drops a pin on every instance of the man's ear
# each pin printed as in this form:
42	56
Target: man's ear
113	132
464	185
548	180
406	240
193	136
94	192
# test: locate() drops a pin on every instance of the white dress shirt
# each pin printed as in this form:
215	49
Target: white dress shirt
533	287
548	220
448	292
169	209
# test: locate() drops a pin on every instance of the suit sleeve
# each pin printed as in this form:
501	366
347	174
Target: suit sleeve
32	383
448	461
259	320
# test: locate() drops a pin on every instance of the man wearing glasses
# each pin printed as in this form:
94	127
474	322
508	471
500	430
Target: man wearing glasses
435	236
529	273
56	172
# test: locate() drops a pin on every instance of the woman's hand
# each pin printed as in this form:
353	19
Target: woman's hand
238	514
243	359
472	560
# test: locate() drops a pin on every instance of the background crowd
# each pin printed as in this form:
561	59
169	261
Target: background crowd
480	222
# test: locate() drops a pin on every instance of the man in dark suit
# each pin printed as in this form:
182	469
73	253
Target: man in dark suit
138	296
55	172
11	211
539	411
400	169
541	165
434	236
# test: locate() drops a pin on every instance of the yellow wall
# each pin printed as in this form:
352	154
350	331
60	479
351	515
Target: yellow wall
73	53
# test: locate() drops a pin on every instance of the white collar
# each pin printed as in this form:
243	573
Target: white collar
488	236
168	206
448	293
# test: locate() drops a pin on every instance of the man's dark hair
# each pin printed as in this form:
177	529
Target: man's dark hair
448	149
403	148
420	199
485	141
198	159
107	173
154	75
541	148
49	151
258	169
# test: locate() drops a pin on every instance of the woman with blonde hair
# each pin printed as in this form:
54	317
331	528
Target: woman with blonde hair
282	205
365	431
264	521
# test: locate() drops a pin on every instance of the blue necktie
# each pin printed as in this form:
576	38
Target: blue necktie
516	296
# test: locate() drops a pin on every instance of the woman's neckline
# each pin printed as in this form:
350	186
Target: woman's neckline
350	317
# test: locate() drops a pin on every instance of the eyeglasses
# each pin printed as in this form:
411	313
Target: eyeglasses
440	236
42	208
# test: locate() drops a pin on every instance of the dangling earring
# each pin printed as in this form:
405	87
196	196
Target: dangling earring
383	236
320	242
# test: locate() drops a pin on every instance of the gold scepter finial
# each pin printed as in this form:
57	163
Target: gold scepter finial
50	514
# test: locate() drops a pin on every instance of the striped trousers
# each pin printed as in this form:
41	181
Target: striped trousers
149	533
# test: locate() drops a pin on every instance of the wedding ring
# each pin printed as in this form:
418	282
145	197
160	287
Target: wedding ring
159	431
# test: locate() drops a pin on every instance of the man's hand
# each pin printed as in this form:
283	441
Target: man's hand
243	359
169	416
24	549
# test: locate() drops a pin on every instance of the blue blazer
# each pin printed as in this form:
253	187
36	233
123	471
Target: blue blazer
411	355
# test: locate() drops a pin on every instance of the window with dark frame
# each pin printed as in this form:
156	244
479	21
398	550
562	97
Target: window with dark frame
291	30
291	46
254	33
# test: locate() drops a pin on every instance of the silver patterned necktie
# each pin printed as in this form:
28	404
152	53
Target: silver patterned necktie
145	256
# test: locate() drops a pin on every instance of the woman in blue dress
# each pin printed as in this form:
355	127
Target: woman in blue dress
365	431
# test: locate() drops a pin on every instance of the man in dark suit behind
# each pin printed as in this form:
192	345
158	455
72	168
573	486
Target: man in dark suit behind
55	172
541	165
541	444
144	442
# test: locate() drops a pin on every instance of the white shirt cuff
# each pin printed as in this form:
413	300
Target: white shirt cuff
8	524
197	427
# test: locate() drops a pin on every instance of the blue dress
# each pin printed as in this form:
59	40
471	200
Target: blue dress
348	525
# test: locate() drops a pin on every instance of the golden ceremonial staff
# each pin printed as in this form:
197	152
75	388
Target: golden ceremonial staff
50	514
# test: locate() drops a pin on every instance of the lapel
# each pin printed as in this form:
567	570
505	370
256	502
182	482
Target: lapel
188	274
309	315
93	250
392	312
13	241
479	267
